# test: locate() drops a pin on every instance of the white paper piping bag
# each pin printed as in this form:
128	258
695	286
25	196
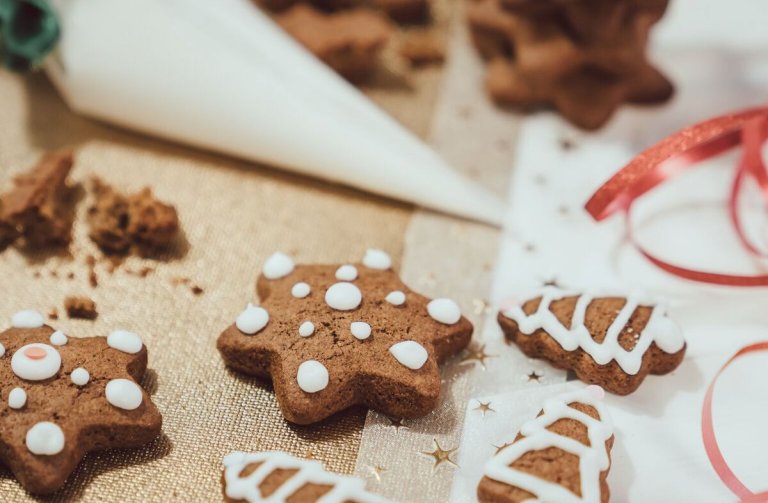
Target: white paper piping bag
222	76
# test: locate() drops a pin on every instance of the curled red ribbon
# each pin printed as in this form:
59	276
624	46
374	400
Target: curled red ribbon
680	152
710	441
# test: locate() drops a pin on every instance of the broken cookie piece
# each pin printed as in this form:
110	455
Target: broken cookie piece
347	41
39	208
83	308
119	222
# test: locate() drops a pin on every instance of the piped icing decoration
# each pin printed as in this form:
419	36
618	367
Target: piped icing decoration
444	310
80	376
306	329
278	265
360	329
252	320
593	459
36	362
300	290
312	376
17	398
396	298
45	439
28	318
659	329
58	338
2	350
123	394
125	341
346	272
409	353
377	259
343	296
343	488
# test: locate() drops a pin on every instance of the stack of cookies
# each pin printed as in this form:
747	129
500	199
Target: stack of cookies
581	57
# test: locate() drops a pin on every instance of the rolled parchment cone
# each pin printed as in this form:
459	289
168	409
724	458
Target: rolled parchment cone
221	76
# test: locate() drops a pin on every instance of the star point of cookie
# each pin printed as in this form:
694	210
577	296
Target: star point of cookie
333	336
63	397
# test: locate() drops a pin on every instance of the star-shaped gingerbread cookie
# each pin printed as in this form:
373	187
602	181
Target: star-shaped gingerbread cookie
63	397
331	336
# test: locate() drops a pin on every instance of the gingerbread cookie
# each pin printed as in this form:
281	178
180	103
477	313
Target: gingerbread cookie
582	57
562	456
608	340
40	207
277	476
348	41
63	397
331	336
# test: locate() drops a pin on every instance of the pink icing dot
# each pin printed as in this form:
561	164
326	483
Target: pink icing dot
35	353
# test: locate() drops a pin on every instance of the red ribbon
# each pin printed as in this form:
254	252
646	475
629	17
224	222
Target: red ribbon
679	153
710	442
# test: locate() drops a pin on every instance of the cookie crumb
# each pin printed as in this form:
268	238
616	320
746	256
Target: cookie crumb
121	222
53	314
197	290
83	308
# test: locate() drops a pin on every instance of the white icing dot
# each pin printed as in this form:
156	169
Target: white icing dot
17	398
300	290
377	259
36	362
277	266
444	310
125	341
410	353
45	439
80	376
58	338
252	320
343	296
2	350
346	273
360	329
29	318
306	329
396	298
312	376
123	394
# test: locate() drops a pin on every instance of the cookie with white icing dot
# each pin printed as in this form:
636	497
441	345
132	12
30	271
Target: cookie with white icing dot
609	340
563	455
259	477
65	396
360	337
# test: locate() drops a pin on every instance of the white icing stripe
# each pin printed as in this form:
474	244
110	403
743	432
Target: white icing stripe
593	459
247	488
659	329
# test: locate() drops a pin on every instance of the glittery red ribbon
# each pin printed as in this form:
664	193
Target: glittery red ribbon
679	153
710	441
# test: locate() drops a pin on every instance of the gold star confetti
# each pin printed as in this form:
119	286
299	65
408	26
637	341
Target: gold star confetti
397	422
484	407
377	471
500	448
441	455
481	306
533	376
476	354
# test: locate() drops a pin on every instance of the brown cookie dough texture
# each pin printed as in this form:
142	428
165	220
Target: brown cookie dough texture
582	57
562	453
64	397
348	41
615	342
278	476
330	337
120	222
39	208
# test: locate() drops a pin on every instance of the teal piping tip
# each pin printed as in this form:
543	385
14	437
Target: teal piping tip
29	30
